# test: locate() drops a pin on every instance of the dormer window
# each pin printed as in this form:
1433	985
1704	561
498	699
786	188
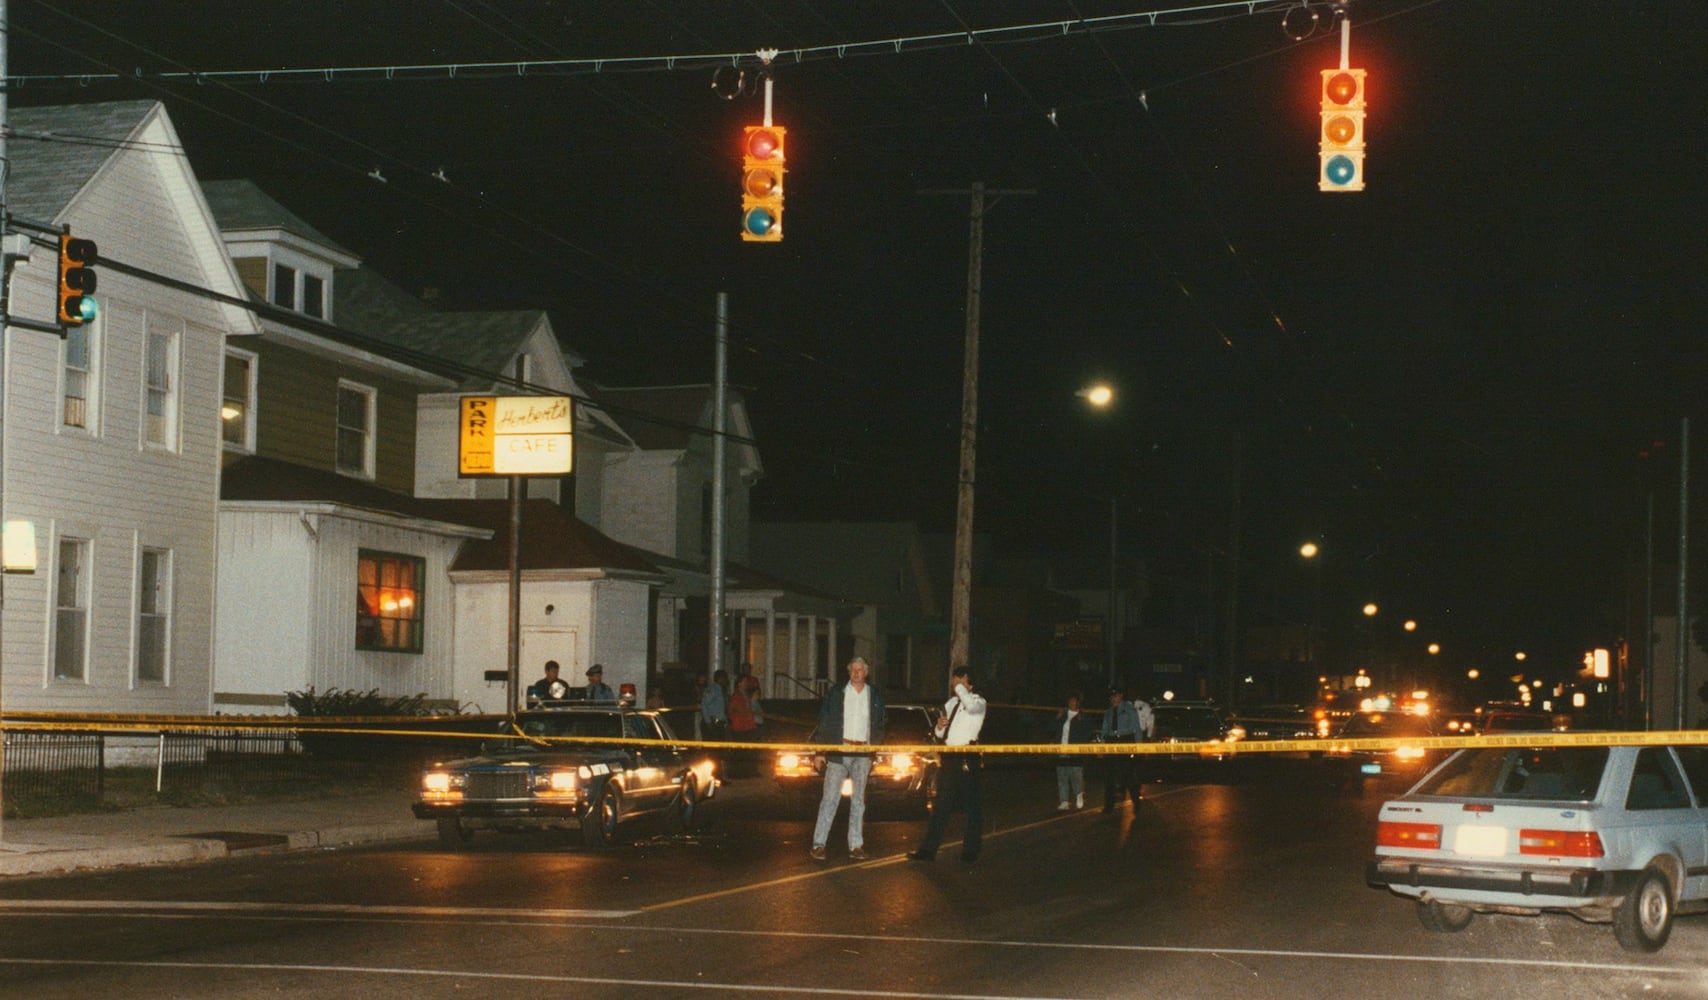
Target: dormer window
298	292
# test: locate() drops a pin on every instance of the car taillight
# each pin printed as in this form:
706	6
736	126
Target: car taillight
1561	843
1426	836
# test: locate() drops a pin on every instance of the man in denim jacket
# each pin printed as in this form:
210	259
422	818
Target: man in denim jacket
852	715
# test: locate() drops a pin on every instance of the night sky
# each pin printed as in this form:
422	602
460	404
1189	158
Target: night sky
1447	378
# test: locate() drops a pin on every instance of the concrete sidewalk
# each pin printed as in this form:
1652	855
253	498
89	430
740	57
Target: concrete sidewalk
165	834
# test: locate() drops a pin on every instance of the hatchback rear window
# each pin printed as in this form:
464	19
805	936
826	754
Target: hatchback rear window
1569	773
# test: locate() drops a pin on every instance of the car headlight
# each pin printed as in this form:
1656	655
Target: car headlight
1236	733
1408	753
901	761
441	781
788	761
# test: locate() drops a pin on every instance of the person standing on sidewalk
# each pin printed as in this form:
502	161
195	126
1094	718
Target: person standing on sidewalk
1071	727
852	715
958	776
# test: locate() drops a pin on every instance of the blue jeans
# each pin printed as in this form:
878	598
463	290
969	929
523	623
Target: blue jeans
858	768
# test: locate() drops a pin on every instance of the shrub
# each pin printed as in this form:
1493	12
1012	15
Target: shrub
339	701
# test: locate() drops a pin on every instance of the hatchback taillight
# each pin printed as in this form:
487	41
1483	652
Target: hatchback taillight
1560	843
1421	836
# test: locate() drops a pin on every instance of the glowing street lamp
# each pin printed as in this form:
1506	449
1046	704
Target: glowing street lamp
1099	395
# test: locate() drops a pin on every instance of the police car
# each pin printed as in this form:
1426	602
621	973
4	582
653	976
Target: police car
590	768
1608	834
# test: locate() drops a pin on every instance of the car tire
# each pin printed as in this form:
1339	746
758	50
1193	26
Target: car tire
453	834
684	811
1444	918
599	826
1643	919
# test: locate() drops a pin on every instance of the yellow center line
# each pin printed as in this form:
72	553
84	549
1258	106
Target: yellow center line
838	869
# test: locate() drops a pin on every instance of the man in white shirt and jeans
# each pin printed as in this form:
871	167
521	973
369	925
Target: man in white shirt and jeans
958	777
852	715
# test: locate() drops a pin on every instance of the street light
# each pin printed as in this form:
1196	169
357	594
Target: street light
1100	396
1310	551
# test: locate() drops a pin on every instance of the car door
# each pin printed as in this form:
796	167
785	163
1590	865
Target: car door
1664	816
1694	760
652	778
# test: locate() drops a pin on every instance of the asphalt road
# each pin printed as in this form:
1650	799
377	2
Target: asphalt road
1249	890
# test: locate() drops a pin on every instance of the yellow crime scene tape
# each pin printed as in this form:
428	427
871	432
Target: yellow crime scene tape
409	726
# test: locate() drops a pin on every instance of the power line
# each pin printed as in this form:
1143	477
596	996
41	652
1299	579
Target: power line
1011	34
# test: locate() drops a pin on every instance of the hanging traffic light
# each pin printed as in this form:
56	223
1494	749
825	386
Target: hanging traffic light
1341	143
762	183
76	280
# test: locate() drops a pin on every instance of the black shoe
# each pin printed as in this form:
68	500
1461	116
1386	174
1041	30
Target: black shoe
920	856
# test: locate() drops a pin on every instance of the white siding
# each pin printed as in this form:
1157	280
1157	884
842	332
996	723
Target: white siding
261	649
619	635
106	486
640	500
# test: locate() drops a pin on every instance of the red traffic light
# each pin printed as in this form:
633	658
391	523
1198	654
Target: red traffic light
1340	141
1343	87
762	170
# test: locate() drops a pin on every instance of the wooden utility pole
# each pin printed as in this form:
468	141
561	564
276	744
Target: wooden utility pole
960	603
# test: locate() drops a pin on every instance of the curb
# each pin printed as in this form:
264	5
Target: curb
17	860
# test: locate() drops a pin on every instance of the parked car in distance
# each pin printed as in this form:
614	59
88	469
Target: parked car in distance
533	777
1353	768
1515	721
1202	730
905	778
1608	834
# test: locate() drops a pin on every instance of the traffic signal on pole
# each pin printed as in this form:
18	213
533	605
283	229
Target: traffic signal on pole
762	171
76	280
1341	143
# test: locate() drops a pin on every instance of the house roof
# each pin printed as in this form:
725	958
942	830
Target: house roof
67	145
484	341
551	537
241	204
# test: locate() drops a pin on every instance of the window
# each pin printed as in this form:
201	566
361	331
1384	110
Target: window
355	430
1656	783
71	611
314	296
237	404
153	615
160	423
284	286
388	601
78	381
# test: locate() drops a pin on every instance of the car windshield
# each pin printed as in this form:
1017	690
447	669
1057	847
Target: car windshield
1387	724
1570	773
607	725
1181	721
907	726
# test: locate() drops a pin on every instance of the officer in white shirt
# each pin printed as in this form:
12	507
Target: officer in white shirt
958	776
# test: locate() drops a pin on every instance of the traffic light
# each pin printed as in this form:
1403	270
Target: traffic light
1341	143
76	280
762	183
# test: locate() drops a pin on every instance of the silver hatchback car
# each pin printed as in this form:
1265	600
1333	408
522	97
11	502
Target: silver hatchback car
1608	834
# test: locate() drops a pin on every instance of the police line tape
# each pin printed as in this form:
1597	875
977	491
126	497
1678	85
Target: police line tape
141	725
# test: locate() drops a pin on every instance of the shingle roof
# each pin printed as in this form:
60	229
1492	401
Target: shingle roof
241	204
551	538
486	341
55	150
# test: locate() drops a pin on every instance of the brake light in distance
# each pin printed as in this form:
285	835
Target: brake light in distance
1561	843
1423	836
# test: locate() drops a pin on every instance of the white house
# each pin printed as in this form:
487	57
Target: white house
111	435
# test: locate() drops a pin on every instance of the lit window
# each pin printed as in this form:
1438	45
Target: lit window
71	611
154	615
388	601
160	424
284	286
237	403
355	443
78	381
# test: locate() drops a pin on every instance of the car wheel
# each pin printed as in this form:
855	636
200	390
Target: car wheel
1643	919
1444	918
453	834
685	810
599	826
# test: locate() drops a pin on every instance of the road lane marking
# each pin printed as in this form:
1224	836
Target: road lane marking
671	984
336	909
883	862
